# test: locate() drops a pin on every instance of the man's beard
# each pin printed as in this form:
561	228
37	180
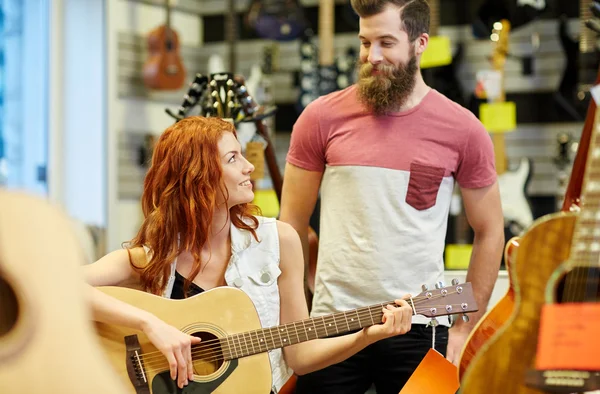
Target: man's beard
388	90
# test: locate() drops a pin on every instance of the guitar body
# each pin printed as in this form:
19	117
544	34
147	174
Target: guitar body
229	311
494	319
515	205
164	69
47	339
502	363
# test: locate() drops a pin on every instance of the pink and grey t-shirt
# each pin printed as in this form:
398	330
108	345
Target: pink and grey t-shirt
385	193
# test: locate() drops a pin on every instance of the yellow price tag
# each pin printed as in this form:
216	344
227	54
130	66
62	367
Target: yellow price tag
438	52
255	154
266	199
458	256
499	117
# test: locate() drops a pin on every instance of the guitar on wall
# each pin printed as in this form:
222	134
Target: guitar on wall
495	318
47	340
556	262
164	68
581	60
513	183
232	357
276	19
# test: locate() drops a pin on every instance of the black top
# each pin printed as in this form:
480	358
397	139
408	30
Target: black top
177	293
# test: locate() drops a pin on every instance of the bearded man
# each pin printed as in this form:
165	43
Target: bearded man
385	155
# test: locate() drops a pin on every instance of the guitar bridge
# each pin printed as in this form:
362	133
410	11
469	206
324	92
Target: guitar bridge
135	365
554	381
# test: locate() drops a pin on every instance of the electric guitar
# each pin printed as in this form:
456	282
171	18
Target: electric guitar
581	59
232	357
513	184
164	68
47	340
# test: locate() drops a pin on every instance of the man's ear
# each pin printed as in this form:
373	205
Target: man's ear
421	44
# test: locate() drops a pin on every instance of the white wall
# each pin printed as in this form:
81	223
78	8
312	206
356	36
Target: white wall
134	115
77	137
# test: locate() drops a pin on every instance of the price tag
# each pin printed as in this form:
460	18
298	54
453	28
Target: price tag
255	154
568	337
498	117
434	374
438	52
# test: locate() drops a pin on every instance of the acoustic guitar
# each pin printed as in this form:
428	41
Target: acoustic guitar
232	357
497	317
164	69
47	340
545	265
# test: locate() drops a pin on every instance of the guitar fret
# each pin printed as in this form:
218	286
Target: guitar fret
315	328
251	344
280	339
229	355
240	345
371	314
296	330
272	338
324	325
265	339
286	340
335	324
346	318
358	318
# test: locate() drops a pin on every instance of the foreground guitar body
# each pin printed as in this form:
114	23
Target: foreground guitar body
47	339
494	319
229	311
501	364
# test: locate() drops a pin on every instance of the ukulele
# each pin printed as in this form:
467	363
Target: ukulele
164	68
47	340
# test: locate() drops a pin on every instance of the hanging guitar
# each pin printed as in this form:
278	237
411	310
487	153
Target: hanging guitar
164	68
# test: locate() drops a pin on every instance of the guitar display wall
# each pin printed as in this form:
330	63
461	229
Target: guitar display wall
535	137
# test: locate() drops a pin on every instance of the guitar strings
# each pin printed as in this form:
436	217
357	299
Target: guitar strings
319	325
214	354
364	313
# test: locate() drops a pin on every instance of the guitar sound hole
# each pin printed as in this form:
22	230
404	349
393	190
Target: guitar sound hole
9	307
207	356
581	284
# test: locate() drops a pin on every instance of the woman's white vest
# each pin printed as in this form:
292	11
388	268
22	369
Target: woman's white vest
254	268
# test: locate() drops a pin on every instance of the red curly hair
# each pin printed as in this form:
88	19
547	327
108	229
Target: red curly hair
180	197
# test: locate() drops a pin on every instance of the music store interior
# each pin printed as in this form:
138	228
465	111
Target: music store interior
88	86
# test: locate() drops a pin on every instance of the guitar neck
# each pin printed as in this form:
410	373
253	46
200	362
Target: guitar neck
253	342
168	12
326	32
498	64
587	42
434	22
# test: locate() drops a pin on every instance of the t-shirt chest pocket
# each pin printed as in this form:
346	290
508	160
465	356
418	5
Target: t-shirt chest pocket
423	185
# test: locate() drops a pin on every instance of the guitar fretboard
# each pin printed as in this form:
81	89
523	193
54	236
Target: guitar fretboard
253	342
585	248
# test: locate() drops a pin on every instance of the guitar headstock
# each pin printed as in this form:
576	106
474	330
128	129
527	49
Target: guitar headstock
191	98
449	300
222	101
500	36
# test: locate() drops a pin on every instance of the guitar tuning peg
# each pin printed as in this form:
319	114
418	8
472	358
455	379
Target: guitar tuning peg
434	322
424	287
465	318
439	285
454	282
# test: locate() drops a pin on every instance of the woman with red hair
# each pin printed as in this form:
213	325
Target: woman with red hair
200	232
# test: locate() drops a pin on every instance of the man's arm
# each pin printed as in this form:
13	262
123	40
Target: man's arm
484	213
298	199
